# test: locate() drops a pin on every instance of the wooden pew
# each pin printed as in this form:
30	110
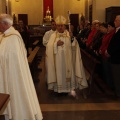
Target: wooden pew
35	44
33	63
31	57
90	64
4	98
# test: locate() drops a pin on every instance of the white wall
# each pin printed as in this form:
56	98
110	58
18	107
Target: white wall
99	8
74	6
34	8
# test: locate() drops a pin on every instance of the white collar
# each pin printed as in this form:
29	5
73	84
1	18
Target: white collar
7	31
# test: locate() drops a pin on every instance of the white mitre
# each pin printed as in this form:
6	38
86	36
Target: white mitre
60	20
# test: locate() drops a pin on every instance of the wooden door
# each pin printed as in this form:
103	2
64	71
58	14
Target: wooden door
111	13
24	18
74	20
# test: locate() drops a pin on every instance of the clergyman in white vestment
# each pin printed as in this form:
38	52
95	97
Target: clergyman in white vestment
15	76
46	38
65	68
47	35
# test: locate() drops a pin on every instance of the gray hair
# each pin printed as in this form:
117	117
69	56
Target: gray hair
6	18
95	21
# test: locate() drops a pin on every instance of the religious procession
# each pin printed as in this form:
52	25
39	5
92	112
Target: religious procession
59	61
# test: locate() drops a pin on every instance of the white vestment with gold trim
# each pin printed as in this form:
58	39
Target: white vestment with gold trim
65	70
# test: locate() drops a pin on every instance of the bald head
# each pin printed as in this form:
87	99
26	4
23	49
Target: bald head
6	21
117	21
6	18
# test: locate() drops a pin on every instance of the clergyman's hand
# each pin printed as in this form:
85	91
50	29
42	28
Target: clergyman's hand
60	43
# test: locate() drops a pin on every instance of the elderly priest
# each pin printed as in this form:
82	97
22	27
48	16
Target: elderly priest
64	63
15	77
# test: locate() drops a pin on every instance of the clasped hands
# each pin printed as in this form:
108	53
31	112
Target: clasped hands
60	43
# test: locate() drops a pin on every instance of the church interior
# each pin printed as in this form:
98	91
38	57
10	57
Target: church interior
98	101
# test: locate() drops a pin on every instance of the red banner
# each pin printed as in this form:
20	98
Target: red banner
46	4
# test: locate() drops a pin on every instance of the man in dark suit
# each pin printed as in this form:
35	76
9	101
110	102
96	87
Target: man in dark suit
114	52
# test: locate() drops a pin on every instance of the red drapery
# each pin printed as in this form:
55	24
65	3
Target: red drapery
47	3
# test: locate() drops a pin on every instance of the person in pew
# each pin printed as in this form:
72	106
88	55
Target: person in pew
80	34
113	52
23	29
15	76
65	68
108	30
92	33
96	41
48	33
84	38
105	63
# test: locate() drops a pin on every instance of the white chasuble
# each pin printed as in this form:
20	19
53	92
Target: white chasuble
46	36
16	80
61	76
78	68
